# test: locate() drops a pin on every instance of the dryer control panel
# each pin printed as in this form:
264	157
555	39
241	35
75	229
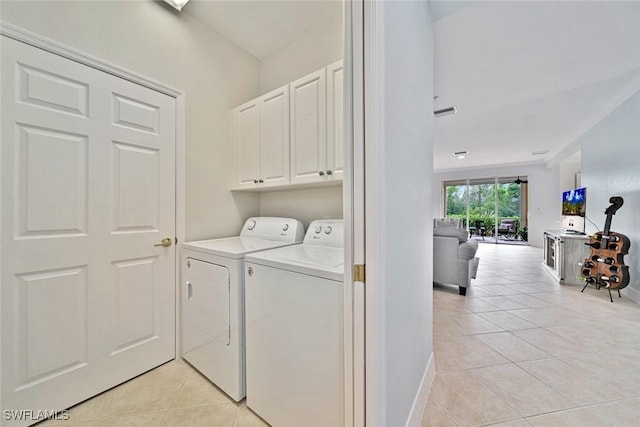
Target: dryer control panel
325	232
273	228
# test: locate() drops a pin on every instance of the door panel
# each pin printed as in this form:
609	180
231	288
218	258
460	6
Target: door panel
49	206
52	91
335	120
134	309
129	163
205	305
308	128
43	326
88	188
247	144
274	137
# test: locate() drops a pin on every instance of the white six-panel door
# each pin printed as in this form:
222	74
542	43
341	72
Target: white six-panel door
88	190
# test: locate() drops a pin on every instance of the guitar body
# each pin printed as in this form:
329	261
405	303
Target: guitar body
605	266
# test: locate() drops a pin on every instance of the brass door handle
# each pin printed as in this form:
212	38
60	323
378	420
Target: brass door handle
165	243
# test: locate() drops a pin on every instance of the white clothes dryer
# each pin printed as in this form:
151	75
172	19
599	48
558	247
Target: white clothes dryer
212	298
294	326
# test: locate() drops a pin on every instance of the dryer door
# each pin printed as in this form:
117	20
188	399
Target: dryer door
205	305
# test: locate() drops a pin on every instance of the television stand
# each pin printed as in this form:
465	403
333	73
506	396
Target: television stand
562	254
575	232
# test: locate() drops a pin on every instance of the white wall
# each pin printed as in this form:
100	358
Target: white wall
304	205
154	40
399	242
314	50
610	156
545	198
568	170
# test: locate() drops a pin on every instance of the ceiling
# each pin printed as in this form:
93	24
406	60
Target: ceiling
262	27
529	76
525	76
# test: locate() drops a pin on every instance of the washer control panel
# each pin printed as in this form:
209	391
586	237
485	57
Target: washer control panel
325	232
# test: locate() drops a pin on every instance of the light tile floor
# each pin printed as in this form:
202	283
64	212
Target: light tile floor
521	350
174	394
518	350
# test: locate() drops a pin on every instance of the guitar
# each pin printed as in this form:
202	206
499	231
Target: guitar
605	267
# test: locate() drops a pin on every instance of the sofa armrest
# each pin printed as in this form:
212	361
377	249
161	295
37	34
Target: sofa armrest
467	250
445	259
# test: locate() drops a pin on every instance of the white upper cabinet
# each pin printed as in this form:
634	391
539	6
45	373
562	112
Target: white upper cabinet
274	137
335	122
261	131
292	135
308	128
247	144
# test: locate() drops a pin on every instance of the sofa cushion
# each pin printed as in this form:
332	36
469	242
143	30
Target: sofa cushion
459	233
447	222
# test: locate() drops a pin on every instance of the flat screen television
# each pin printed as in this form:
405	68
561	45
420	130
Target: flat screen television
573	210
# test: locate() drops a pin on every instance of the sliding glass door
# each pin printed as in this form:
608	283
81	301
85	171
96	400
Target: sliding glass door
493	209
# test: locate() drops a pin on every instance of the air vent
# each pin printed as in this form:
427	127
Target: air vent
460	154
446	111
539	152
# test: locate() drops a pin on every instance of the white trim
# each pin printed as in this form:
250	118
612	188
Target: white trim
353	195
347	196
420	403
181	203
375	206
45	43
56	48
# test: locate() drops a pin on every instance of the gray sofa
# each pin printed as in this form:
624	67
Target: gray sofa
454	261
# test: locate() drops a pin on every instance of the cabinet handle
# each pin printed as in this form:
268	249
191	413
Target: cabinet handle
261	181
329	172
321	173
255	181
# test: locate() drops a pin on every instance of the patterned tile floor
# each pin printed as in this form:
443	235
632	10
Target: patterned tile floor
521	350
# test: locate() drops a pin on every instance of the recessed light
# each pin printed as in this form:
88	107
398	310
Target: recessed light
539	152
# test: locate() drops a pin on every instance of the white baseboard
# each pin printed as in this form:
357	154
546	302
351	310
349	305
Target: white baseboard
420	402
632	294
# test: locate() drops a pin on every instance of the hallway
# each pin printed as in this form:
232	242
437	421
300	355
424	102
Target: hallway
521	350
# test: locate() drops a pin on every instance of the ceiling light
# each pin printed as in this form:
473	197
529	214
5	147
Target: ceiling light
446	111
539	152
178	4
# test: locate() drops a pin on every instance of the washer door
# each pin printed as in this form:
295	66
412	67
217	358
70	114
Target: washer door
205	305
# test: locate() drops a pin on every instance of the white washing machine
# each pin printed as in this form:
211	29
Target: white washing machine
294	327
213	298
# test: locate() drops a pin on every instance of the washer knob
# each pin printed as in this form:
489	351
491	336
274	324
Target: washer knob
286	227
252	225
318	230
328	230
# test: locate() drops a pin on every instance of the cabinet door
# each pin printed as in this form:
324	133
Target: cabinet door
246	127
274	137
308	128
335	122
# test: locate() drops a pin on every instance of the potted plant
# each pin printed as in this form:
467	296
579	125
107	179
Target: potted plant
523	234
